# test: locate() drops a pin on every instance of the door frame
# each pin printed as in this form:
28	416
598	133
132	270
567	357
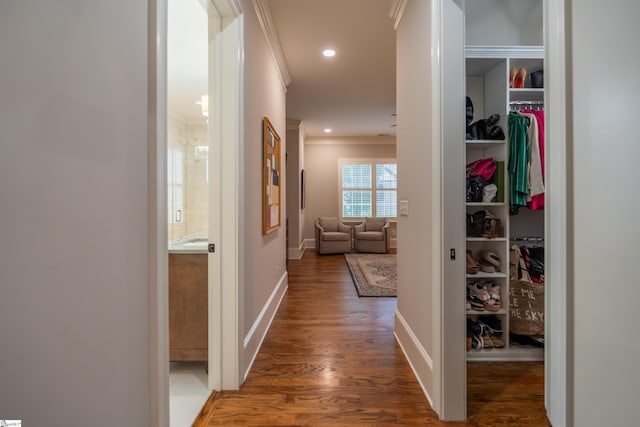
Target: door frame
558	298
225	140
223	288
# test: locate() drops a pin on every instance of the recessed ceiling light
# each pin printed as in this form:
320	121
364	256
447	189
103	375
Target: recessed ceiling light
329	53
327	130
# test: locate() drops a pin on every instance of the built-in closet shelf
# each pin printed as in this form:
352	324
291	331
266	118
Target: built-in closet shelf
483	275
526	89
484	144
513	352
526	94
484	204
485	141
486	312
482	239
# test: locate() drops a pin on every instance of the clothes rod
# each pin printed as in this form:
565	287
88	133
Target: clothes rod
528	239
526	102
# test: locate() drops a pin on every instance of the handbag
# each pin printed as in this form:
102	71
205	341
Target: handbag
475	187
484	168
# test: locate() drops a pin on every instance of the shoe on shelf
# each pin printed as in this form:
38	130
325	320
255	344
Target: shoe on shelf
487	339
496	340
512	76
489	261
479	290
474	302
496	133
472	264
493	323
474	330
494	303
518	82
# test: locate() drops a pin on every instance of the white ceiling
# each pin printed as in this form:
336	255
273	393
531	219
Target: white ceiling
352	93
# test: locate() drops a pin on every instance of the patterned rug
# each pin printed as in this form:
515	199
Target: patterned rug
374	275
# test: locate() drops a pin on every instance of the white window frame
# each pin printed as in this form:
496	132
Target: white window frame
175	182
367	161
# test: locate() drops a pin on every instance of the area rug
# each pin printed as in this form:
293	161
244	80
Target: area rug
374	275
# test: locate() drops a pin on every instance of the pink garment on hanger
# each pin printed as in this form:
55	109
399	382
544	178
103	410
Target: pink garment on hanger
537	202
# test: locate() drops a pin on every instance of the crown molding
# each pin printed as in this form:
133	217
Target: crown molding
269	29
293	124
228	9
396	12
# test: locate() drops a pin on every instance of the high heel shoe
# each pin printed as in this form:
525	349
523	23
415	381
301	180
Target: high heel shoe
512	76
518	82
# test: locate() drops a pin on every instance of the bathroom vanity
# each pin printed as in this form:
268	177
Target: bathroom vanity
187	304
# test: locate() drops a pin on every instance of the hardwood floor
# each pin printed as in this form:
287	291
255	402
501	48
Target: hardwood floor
330	359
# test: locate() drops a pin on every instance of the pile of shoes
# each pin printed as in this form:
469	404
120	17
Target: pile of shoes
484	333
483	295
483	128
483	224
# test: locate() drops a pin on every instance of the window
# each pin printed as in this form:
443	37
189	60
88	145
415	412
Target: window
368	188
175	185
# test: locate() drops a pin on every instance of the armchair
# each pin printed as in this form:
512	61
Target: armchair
332	236
372	236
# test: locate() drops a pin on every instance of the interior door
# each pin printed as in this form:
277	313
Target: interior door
454	384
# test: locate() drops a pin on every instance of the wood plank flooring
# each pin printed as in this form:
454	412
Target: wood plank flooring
330	359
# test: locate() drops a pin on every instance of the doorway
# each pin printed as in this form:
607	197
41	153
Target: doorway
494	46
203	39
187	207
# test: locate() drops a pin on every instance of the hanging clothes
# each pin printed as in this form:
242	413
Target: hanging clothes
518	162
536	183
537	201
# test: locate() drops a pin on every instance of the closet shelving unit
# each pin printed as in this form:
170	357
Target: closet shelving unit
487	71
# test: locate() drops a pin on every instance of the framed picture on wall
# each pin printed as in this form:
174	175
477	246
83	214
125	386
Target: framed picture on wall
271	178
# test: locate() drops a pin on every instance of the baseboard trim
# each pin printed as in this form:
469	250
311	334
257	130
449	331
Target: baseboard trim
257	333
311	243
296	253
418	358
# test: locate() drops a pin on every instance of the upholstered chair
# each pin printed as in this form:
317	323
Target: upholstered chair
372	236
332	236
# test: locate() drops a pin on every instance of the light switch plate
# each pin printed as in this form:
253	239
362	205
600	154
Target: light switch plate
403	208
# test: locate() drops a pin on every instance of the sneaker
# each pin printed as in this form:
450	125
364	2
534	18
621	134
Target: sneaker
479	290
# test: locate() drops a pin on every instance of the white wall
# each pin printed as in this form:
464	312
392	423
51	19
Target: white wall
74	259
603	150
504	22
418	182
322	156
263	264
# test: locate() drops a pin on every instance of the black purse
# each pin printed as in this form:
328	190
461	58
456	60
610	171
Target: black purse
475	184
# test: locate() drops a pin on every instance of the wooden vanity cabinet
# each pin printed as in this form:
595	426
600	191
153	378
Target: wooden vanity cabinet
188	307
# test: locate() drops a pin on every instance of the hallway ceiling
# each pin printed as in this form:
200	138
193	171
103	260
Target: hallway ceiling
352	93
